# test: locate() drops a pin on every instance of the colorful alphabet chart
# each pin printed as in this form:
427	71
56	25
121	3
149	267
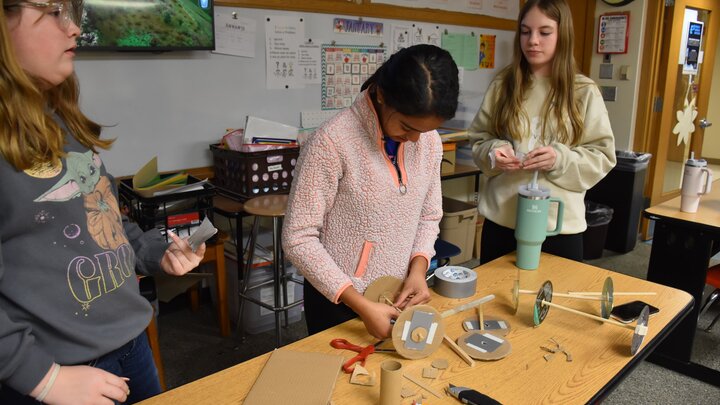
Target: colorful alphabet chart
344	69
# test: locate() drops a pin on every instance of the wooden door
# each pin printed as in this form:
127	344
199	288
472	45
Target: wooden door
583	15
662	88
680	99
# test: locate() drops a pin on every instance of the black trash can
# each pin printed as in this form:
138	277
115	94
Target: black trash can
622	190
598	218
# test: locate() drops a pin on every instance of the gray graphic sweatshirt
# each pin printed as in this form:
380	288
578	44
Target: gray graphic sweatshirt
68	261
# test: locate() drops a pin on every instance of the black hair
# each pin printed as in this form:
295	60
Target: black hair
420	80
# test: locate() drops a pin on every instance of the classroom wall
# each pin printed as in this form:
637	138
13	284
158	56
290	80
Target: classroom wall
622	112
175	104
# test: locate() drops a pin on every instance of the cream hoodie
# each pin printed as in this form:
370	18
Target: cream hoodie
576	169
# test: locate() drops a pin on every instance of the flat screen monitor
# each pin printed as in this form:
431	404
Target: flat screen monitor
147	25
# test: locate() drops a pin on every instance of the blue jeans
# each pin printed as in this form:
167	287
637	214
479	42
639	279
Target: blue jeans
132	360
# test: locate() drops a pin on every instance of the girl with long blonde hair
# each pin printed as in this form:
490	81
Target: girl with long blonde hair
540	114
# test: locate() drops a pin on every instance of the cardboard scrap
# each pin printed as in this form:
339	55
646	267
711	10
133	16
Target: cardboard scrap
407	392
430	372
361	376
440	364
296	378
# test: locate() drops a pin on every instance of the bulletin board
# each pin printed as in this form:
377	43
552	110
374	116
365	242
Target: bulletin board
366	8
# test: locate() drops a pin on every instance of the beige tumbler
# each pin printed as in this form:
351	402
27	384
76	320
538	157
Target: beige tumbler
390	382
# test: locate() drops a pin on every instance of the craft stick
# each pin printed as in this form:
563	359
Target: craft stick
460	352
578	297
614	293
422	385
481	317
610	321
468	305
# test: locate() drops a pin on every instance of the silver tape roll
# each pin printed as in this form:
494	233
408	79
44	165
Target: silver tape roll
455	282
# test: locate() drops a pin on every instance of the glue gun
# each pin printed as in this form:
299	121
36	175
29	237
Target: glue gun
470	396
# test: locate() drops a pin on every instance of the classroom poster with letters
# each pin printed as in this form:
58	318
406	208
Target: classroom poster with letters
283	35
344	69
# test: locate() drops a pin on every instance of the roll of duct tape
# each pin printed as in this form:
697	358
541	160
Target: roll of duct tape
455	281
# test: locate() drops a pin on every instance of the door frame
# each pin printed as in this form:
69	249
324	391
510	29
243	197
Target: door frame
655	126
661	48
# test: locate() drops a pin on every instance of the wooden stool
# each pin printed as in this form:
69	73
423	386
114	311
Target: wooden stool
147	290
267	206
231	208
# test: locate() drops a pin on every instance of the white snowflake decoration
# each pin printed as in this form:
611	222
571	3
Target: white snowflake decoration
685	125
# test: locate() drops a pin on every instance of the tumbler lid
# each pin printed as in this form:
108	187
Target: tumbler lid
539	193
695	162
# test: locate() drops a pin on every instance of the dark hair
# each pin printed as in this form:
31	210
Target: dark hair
419	81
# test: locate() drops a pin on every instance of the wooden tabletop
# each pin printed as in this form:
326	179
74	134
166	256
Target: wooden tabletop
708	213
600	351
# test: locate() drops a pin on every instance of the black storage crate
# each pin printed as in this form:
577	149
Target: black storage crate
252	174
179	212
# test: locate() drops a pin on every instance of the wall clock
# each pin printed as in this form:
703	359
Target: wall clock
617	3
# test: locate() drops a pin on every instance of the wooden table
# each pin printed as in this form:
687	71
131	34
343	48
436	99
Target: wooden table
600	351
680	256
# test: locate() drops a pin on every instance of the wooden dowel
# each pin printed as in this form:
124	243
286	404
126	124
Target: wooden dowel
597	318
579	297
422	385
614	293
481	318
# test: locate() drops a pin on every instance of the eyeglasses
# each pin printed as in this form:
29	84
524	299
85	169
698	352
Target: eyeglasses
63	11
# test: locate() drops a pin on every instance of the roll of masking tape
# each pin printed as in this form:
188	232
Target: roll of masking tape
455	281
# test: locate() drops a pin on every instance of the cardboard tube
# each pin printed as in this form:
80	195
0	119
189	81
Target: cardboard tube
390	382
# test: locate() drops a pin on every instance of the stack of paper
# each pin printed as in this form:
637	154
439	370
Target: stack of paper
147	181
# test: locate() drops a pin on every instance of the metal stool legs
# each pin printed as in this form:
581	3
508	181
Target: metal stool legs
279	280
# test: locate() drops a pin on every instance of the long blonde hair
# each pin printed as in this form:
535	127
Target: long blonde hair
509	117
28	133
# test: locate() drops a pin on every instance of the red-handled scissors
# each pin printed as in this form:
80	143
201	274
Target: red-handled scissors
363	352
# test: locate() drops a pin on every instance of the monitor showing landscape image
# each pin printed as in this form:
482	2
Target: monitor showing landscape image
147	25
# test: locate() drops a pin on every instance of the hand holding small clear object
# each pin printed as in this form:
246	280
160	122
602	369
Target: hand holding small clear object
505	158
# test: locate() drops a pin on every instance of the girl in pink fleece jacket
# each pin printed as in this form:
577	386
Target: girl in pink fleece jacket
366	200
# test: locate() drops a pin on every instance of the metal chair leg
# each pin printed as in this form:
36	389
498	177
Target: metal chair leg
246	276
277	275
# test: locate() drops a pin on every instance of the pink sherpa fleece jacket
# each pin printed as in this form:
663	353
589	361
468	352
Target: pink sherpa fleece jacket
351	217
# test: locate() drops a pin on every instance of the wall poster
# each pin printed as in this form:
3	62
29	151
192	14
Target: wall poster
344	69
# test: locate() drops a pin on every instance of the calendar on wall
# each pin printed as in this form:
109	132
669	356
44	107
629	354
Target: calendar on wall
344	69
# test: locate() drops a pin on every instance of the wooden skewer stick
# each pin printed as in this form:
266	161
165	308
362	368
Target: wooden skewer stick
614	293
579	297
422	385
392	304
598	318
